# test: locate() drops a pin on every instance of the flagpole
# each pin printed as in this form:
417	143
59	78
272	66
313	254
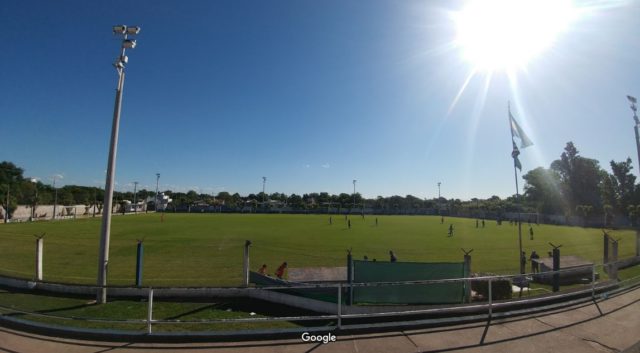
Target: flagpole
515	173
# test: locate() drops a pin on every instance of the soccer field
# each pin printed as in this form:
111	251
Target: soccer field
206	249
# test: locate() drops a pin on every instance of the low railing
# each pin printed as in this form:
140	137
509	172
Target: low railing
434	315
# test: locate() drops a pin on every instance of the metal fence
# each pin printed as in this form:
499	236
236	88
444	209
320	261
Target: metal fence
479	311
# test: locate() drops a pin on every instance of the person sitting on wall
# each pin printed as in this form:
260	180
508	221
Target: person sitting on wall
280	270
263	270
392	256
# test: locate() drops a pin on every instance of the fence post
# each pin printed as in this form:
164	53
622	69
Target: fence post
556	268
139	263
490	300
467	283
150	310
614	258
339	306
605	252
39	244
593	282
350	277
245	265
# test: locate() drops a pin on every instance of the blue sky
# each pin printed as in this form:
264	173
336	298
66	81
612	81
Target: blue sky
310	94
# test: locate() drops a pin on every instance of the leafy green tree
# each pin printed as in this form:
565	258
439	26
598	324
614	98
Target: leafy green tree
623	183
633	211
580	178
608	212
542	188
584	211
295	201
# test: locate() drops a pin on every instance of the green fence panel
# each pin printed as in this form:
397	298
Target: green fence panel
441	293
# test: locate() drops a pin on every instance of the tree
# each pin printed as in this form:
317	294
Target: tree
608	211
295	201
345	200
542	188
191	197
584	211
10	173
634	212
623	183
580	179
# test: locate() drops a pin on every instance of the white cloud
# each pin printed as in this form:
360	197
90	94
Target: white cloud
326	166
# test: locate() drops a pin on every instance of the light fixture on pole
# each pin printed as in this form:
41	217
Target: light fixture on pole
439	207
55	199
135	197
264	183
157	191
35	200
105	231
6	210
354	193
633	101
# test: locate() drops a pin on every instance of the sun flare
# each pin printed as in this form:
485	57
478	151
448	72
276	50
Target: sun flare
507	34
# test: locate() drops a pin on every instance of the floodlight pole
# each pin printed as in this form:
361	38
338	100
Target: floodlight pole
439	207
6	211
135	197
157	191
55	199
105	230
35	200
354	193
634	108
264	183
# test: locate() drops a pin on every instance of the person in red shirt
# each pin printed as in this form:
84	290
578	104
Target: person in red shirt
280	270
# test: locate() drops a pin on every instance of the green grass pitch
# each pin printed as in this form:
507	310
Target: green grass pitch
206	249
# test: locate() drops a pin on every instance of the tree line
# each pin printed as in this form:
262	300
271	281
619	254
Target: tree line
575	185
572	185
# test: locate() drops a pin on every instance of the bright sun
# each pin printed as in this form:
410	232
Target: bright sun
506	34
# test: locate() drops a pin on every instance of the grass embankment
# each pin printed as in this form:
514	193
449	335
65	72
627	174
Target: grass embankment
76	309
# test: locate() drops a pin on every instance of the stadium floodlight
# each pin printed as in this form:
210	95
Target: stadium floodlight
120	29
157	192
439	206
634	108
129	44
133	30
55	200
105	230
354	193
35	200
135	197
